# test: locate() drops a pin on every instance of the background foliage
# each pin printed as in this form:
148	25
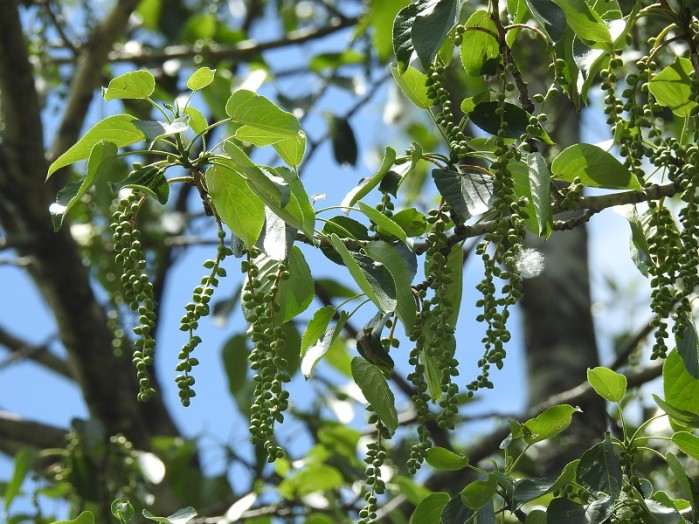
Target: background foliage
203	143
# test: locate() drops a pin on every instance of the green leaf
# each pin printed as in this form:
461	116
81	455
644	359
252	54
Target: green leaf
316	477
197	121
564	510
235	362
371	381
638	245
672	87
265	124
122	510
550	423
298	212
468	194
86	517
369	343
527	490
480	51
380	16
276	238
274	193
403	32
137	85
594	167
688	346
550	17
117	129
155	129
237	205
680	387
296	293
430	509
584	22
23	461
342	139
599	469
536	516
402	266
181	516
688	443
681	416
515	119
101	158
413	85
150	180
607	384
346	227
445	459
316	327
536	187
479	492
431	26
367	184
359	274
201	78
412	221
384	222
687	487
318	348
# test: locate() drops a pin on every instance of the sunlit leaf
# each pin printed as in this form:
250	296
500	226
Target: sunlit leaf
101	158
237	205
672	87
412	83
134	85
201	78
594	167
117	129
445	459
607	384
550	423
480	51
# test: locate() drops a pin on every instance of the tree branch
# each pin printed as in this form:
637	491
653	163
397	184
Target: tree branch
40	354
108	383
18	433
88	74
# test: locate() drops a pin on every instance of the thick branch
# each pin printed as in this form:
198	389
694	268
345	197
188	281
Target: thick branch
107	382
18	432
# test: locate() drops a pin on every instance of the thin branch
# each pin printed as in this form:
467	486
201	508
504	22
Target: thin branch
214	52
40	354
591	205
373	88
88	75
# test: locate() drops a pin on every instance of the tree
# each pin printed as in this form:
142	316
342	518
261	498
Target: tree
189	158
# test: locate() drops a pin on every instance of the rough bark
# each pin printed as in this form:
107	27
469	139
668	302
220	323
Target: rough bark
107	382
